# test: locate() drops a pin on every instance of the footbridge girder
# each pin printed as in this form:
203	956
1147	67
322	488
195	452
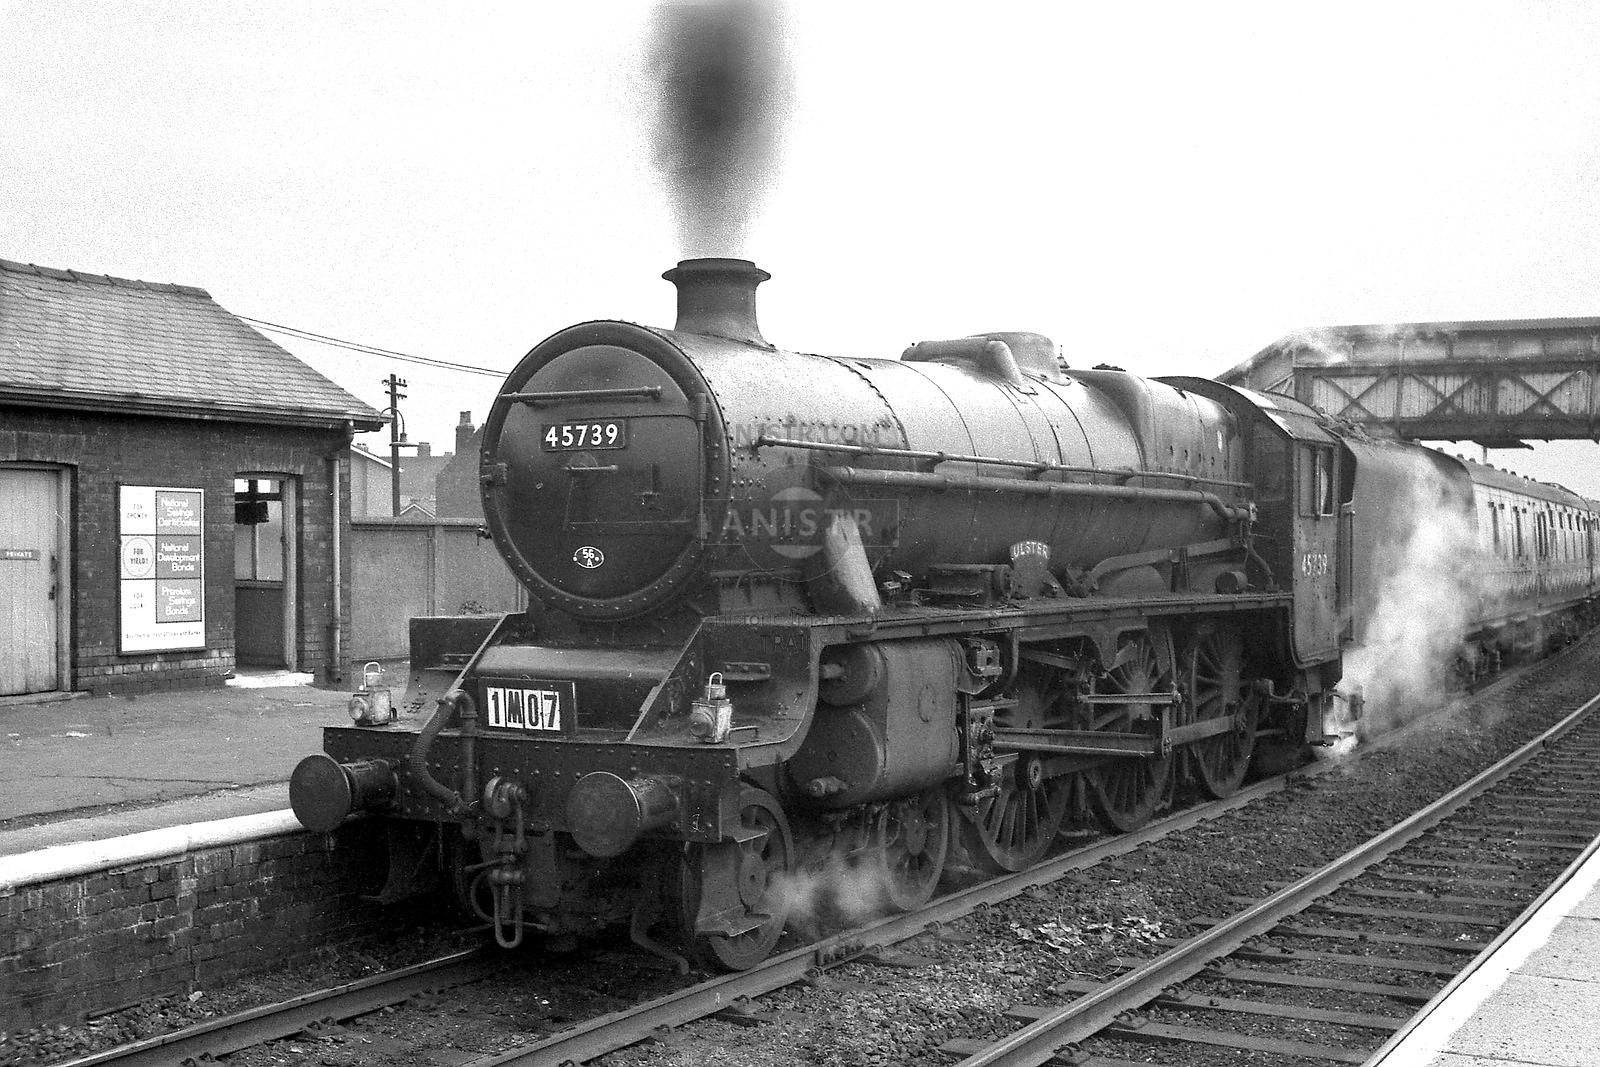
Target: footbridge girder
1497	383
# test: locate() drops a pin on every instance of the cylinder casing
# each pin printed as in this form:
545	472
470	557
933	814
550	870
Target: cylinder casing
898	739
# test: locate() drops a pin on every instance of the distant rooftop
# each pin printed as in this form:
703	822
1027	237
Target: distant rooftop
96	342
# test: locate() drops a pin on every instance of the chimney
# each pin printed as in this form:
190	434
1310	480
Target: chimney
718	297
464	432
424	449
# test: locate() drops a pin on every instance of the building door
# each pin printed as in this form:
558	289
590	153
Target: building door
33	578
265	568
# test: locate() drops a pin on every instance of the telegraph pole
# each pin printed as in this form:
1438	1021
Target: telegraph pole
397	438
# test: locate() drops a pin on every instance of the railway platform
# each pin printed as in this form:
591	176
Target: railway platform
95	768
1532	998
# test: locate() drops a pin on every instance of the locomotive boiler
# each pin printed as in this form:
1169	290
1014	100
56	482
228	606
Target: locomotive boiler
629	468
791	610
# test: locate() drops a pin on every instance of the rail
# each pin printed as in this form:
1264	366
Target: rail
210	1041
1040	1041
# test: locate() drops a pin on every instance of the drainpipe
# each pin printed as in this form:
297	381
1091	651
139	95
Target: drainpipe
336	671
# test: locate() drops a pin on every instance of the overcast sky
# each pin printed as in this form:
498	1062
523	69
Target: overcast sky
1169	187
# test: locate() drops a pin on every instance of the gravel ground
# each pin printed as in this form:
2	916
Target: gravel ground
1081	927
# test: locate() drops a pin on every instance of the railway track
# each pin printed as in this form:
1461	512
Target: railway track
213	1040
317	1011
730	996
1381	928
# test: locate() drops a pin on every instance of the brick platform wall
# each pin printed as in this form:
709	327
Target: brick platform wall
103	451
103	940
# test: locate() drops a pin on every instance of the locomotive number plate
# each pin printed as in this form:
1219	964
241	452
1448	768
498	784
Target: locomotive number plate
573	436
543	706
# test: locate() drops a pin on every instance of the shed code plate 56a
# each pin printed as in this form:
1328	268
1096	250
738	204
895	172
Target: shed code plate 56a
533	705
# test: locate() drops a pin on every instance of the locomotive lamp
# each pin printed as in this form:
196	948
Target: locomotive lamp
372	705
711	717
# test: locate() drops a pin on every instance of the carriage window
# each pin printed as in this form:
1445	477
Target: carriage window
1494	526
1516	514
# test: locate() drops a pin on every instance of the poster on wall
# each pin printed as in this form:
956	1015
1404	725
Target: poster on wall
162	577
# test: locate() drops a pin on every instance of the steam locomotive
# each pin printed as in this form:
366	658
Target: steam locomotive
791	609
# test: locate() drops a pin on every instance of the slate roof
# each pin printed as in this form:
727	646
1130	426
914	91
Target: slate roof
94	342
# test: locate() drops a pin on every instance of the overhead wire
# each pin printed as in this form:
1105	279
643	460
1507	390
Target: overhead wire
371	350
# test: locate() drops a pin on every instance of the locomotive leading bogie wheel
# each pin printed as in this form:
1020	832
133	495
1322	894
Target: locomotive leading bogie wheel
1125	793
914	840
759	869
1214	664
1011	827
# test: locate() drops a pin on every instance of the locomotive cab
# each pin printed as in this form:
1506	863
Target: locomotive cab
1293	462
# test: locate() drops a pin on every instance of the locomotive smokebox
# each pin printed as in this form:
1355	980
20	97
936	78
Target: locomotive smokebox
718	297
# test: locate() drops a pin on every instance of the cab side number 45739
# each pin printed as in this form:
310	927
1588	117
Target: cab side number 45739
1315	564
571	436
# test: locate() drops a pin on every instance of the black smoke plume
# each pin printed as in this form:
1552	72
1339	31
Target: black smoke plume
723	81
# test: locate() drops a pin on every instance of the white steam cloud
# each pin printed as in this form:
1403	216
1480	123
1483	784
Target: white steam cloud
833	895
1426	593
1327	346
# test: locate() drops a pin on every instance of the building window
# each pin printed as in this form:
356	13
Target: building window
258	529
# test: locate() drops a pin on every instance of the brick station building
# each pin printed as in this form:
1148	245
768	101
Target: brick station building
174	492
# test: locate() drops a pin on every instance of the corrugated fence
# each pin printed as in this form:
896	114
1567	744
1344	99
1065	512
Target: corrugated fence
406	567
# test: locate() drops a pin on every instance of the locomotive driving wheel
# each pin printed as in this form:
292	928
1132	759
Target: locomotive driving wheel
743	877
1214	662
1011	828
1126	792
914	836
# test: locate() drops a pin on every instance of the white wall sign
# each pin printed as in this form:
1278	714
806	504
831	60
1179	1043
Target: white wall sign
163	588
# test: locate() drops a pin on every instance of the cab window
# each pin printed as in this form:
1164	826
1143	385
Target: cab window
1271	459
1317	495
